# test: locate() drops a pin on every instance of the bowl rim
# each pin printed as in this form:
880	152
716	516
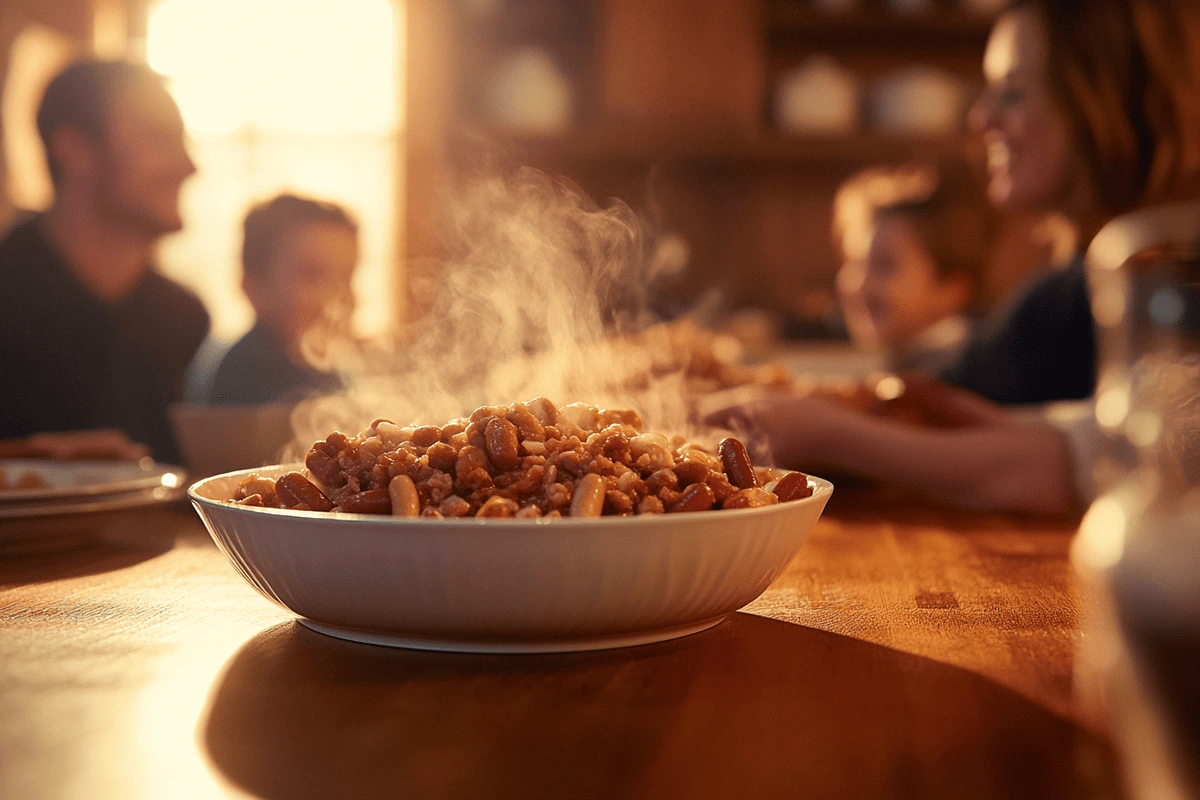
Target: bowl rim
822	489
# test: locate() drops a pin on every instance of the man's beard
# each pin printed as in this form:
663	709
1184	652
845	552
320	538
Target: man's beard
130	215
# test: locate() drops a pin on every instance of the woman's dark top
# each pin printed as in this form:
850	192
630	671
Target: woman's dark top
258	369
1039	348
71	361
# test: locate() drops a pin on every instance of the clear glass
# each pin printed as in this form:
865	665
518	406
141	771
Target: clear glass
1138	550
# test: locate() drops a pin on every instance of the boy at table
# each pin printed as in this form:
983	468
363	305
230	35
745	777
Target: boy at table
913	241
92	338
298	259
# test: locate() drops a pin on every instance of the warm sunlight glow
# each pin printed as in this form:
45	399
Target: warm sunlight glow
35	56
284	95
288	66
1101	539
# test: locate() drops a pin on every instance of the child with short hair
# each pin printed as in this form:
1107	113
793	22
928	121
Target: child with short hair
914	243
298	259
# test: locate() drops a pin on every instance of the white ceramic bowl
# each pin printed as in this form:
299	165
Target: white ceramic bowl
495	585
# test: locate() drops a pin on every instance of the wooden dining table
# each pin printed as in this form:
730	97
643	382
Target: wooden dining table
908	651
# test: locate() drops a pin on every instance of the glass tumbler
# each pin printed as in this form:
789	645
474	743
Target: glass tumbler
1138	549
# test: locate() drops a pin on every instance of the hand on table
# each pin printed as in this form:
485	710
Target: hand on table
803	426
931	402
105	444
793	426
974	455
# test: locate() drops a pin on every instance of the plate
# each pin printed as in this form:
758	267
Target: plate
77	479
506	585
92	504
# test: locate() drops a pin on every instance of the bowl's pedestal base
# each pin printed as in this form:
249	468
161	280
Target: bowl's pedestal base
511	646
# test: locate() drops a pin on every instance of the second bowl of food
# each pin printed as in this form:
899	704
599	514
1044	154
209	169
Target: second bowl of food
523	528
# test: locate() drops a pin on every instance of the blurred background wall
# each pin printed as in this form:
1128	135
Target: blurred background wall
728	122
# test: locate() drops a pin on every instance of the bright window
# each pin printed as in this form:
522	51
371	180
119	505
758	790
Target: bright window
37	54
297	95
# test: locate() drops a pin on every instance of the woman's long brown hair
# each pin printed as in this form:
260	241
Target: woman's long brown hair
1127	75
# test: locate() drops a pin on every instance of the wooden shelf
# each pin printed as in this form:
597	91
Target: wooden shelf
549	23
791	23
674	115
631	146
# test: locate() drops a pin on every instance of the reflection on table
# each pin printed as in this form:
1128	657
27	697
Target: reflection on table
907	652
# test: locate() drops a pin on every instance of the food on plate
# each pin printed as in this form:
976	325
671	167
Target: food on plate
526	460
707	361
27	480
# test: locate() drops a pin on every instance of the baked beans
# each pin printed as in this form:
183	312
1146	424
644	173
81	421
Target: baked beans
527	460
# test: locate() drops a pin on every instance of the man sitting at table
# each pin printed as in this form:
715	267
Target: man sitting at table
90	335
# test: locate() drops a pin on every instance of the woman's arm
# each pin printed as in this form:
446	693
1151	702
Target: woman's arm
1000	465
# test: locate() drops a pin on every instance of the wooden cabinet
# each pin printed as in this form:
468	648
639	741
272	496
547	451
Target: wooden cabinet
681	64
673	115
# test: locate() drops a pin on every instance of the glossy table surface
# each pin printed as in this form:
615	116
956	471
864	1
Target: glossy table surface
907	652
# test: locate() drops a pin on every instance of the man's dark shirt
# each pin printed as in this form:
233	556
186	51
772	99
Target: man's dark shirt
258	369
1041	347
71	361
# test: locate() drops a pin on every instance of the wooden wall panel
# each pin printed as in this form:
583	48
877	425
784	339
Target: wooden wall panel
682	62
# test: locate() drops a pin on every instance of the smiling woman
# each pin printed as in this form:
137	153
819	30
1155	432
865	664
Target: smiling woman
1088	124
283	95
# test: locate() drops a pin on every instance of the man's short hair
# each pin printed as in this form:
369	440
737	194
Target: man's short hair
81	97
269	222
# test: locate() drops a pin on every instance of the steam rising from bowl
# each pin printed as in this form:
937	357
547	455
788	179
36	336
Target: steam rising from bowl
539	281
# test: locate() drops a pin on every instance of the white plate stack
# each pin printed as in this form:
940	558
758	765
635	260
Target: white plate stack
33	487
